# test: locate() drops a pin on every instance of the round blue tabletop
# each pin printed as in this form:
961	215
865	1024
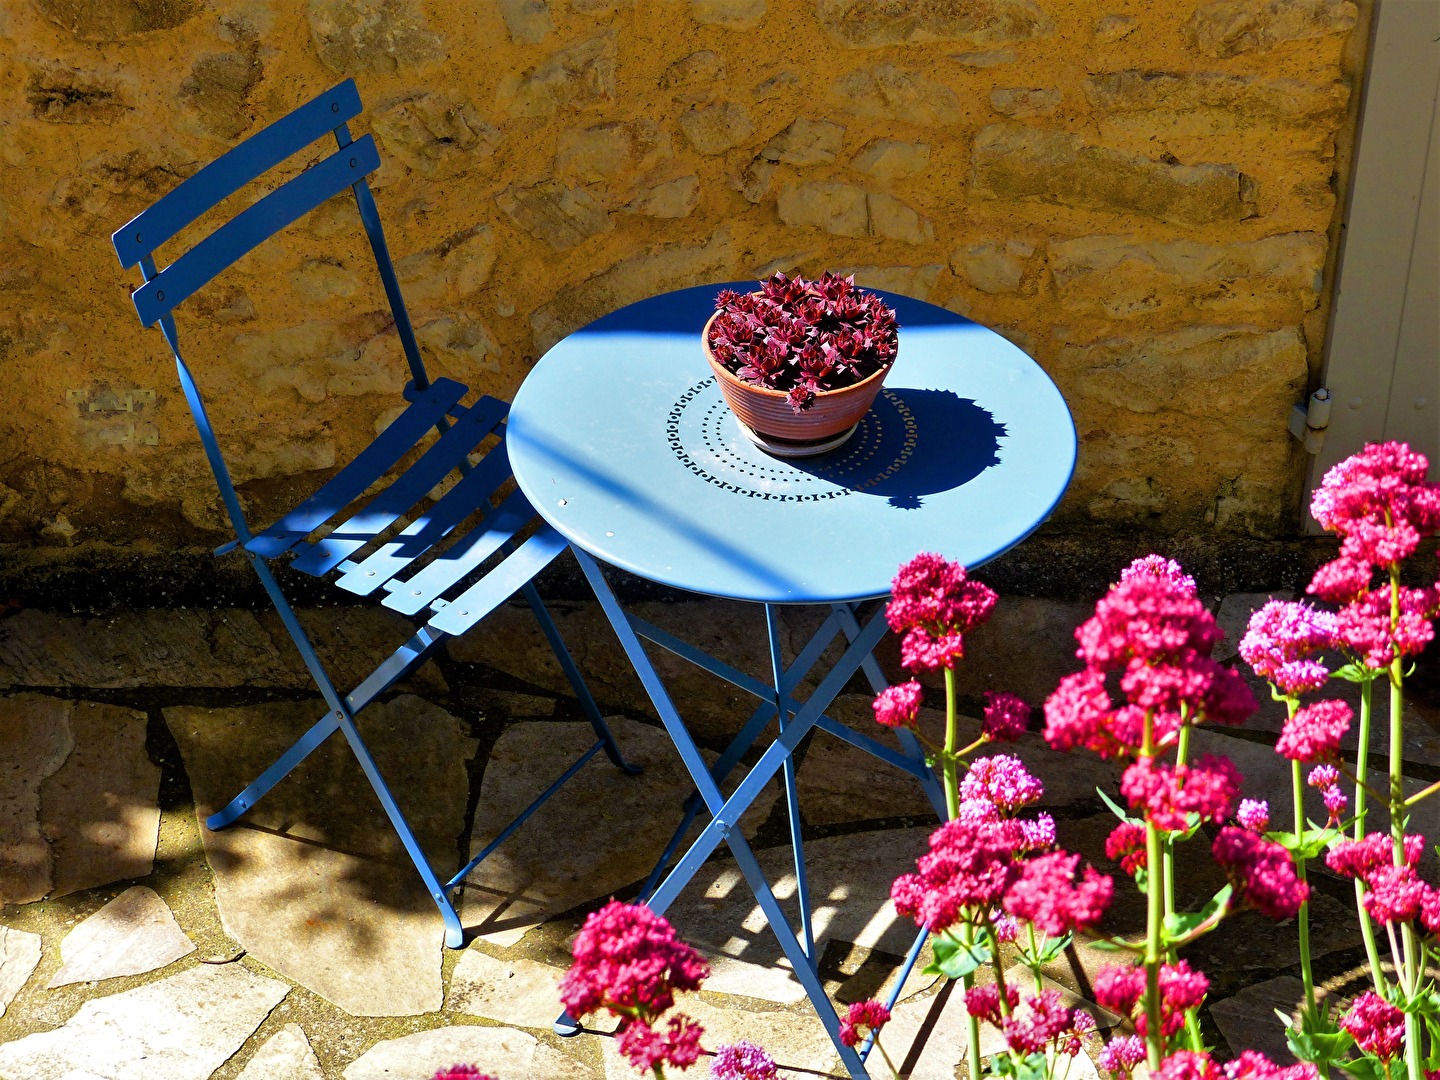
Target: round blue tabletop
620	439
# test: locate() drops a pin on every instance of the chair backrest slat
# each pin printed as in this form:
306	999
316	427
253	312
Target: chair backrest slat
231	171
286	204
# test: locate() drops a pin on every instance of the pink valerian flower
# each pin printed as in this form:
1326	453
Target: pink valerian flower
983	1002
1326	778
970	866
1364	627
1037	833
1042	1020
1189	1065
1314	732
629	960
1261	871
1005	927
1168	570
1006	716
1253	1065
1430	911
462	1072
1395	895
1002	780
934	603
1078	714
1254	814
1341	580
1169	794
1385	482
1146	617
899	706
1181	990
742	1061
1212	692
1119	987
1047	894
1126	845
1281	641
1377	1026
862	1015
1360	858
645	1047
1121	1054
1323	776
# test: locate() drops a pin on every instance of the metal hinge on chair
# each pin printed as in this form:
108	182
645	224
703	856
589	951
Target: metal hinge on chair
1310	421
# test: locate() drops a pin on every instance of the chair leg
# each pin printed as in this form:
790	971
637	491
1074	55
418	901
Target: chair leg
577	681
323	729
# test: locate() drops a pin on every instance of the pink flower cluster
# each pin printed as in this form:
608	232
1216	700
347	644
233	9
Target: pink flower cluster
1254	814
1153	629
1006	716
1122	1054
1314	732
462	1072
1002	781
1281	642
1396	894
1169	794
1326	779
1120	988
1043	1021
1261	871
934	604
862	1016
629	960
1377	1026
1250	1065
742	1061
1048	894
1126	845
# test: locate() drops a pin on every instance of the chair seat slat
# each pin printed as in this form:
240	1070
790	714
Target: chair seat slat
404	492
500	583
285	205
228	173
420	591
342	489
470	493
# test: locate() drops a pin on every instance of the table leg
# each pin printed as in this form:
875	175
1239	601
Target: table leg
792	793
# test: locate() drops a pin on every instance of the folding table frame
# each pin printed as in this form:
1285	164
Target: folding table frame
378	545
795	720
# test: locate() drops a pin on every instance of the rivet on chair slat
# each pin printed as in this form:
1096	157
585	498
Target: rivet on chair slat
345	486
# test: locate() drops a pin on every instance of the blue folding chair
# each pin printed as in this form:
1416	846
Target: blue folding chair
375	546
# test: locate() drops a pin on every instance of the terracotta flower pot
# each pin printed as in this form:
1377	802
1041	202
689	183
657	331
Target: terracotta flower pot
768	414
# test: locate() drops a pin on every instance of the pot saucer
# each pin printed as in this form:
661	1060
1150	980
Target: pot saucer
795	448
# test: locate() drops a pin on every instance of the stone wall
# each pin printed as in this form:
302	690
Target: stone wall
1141	194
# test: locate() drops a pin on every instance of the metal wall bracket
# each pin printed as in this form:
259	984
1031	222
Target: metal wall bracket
1309	422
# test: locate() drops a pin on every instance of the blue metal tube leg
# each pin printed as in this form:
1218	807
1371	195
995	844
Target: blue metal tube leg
792	793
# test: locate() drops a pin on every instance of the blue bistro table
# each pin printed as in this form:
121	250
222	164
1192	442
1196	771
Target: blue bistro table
620	439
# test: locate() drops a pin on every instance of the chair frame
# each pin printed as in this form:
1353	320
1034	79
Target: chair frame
433	405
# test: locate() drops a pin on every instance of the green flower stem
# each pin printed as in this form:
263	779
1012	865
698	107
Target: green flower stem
1302	920
1362	757
972	1052
952	780
1409	974
1034	952
1154	955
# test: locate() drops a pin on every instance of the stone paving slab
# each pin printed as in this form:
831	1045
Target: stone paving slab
502	1052
286	1055
519	993
19	956
183	1027
78	799
132	934
192	647
603	832
313	881
1248	1019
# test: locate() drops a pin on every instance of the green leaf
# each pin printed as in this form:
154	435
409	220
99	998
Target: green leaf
1050	951
1028	1068
1142	881
1118	810
1320	1048
954	959
1181	924
1358	673
1426	1003
1365	1068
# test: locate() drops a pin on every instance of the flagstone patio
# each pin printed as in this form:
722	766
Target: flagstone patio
299	943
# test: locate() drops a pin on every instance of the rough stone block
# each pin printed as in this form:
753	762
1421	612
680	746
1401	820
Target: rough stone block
519	992
693	79
886	92
836	208
672	199
1020	101
805	142
19	955
463	347
916	281
1113	28
372	37
892	219
112	20
671	266
62	95
501	1050
218	90
575	77
436	134
561	215
991	266
1286	101
713	129
453	269
613	150
868	24
892	159
132	934
732	14
1014	162
1273	280
1231	27
286	1055
528	21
